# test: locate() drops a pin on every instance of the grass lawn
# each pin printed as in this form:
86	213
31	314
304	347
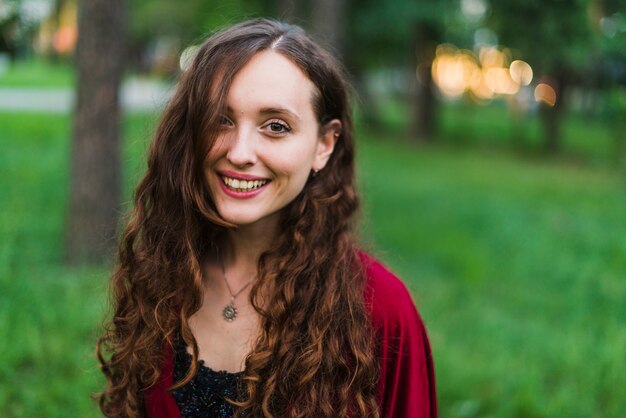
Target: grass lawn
38	73
517	264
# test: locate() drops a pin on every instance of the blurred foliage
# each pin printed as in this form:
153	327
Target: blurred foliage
546	33
18	26
580	44
583	38
613	26
161	29
380	32
551	34
152	19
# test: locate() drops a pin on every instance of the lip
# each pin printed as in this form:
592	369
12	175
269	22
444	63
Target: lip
240	195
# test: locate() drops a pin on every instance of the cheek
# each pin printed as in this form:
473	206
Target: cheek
295	165
208	168
300	156
212	157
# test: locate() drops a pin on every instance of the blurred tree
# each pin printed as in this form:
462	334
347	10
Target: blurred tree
427	33
287	10
95	161
327	18
159	28
555	37
19	21
610	74
401	34
9	28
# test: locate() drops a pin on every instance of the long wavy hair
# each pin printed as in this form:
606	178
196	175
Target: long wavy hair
314	356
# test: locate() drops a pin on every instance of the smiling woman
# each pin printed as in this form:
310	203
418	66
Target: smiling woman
269	142
240	289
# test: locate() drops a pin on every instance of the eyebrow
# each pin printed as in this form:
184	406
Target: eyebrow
274	111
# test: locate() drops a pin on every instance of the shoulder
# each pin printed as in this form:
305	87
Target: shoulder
386	296
406	386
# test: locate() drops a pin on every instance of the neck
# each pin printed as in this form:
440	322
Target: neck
242	249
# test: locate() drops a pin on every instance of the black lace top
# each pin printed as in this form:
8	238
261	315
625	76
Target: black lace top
204	396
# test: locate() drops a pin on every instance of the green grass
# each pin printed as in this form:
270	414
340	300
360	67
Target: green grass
50	316
38	73
585	139
517	265
44	73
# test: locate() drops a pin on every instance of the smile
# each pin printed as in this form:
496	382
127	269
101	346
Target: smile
242	186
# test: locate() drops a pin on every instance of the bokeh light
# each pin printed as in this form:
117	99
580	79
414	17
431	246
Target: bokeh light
187	57
500	82
453	70
521	72
491	57
484	76
545	93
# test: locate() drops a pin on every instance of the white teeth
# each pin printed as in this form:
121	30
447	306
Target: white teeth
243	185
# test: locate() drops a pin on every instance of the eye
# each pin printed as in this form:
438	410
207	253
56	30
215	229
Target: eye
225	121
277	127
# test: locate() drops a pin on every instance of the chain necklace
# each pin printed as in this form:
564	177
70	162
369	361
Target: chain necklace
229	313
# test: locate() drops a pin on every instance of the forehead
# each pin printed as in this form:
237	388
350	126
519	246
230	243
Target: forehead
273	80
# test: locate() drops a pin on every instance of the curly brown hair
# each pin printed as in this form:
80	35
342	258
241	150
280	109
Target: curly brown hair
314	356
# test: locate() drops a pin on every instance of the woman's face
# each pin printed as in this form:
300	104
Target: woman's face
269	141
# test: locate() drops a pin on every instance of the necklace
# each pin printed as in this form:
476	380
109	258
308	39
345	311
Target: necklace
229	313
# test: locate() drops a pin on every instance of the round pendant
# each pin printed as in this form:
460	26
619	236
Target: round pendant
229	313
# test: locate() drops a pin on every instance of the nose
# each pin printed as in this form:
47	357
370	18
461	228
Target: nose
241	148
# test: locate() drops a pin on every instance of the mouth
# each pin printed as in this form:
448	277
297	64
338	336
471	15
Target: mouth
241	185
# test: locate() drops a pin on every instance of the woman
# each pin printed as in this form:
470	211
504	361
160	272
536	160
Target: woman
240	289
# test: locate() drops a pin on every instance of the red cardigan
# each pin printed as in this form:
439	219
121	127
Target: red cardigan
406	388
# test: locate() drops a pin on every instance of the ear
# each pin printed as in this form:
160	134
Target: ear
326	143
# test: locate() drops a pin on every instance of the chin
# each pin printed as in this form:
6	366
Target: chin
239	218
243	218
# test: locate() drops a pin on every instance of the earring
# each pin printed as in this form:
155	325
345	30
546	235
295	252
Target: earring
314	172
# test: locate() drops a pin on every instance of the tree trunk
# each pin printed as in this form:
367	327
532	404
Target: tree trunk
551	129
95	160
423	123
552	116
328	24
